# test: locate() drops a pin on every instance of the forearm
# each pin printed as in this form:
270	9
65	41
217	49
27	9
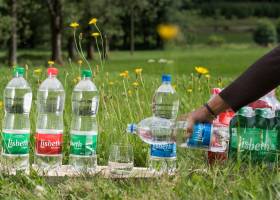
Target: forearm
259	79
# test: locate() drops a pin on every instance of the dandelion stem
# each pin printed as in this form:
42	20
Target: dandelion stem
102	45
100	57
82	54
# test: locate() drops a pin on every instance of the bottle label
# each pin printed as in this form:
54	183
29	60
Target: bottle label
49	144
201	136
163	150
15	143
253	139
83	145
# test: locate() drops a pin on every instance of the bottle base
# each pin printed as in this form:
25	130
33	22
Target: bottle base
15	163
47	163
160	166
83	163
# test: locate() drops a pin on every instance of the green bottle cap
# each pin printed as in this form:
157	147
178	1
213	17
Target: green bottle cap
265	112
246	111
86	73
19	71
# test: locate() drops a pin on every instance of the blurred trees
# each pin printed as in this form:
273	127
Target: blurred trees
125	24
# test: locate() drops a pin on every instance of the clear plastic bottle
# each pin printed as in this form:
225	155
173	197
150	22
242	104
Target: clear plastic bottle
153	130
49	130
162	158
204	136
84	126
16	124
165	101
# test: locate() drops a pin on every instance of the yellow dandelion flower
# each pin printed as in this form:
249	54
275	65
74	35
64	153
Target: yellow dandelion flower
189	90
138	71
37	71
111	83
167	31
93	21
95	34
80	62
51	62
129	92
201	70
124	75
207	76
74	25
135	84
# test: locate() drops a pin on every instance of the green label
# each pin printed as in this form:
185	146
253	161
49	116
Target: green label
83	145
15	143
248	140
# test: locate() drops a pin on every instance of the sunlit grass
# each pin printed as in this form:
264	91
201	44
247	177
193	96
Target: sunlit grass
123	102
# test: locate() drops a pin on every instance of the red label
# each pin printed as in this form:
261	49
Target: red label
48	144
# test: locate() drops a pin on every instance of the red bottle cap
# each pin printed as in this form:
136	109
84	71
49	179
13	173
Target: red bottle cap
216	91
52	71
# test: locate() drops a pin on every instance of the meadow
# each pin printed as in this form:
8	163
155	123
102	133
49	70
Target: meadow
126	99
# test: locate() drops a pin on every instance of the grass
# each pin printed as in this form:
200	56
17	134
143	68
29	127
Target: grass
122	103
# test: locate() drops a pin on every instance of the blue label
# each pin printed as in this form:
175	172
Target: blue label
163	150
201	136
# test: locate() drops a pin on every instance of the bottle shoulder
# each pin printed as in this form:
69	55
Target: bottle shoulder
166	88
51	84
85	85
18	82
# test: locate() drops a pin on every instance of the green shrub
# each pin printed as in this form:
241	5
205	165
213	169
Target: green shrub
215	40
278	30
265	33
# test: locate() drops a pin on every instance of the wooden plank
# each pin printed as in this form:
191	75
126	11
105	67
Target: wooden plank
68	171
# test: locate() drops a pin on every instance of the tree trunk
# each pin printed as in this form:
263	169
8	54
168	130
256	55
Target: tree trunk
55	9
132	45
90	48
12	54
71	48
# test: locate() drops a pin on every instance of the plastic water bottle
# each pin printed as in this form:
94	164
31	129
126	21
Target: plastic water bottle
84	127
49	131
165	101
153	130
204	135
162	158
16	124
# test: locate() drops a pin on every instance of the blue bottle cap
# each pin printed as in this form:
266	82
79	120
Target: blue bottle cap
166	78
131	128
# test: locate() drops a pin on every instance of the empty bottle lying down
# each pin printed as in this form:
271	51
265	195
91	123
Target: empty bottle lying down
155	130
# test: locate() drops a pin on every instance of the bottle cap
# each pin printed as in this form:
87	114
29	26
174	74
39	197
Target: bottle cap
86	73
166	78
246	111
19	71
52	71
265	112
216	91
131	128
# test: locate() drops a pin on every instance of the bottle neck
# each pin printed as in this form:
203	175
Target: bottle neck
86	78
52	76
166	82
17	75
